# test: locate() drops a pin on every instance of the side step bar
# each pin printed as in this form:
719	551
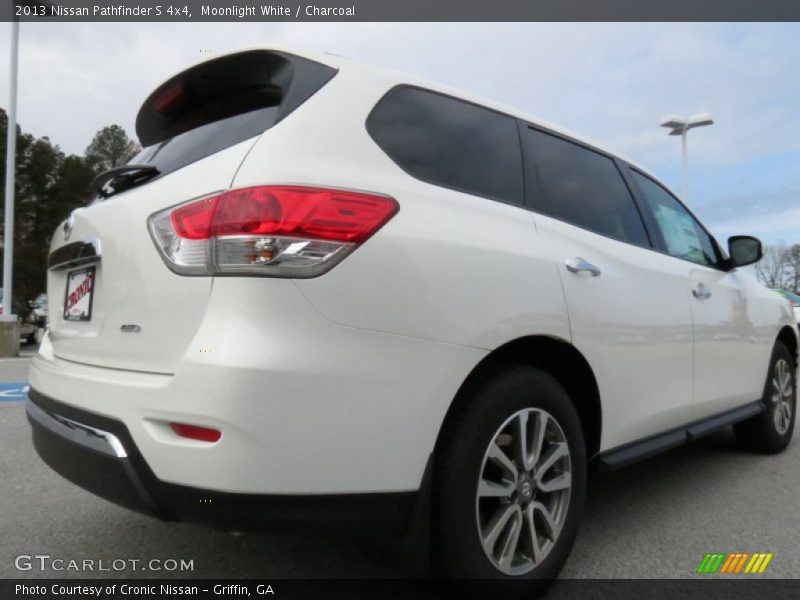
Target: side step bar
616	458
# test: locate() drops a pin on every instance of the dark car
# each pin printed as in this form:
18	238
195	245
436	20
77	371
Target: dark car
27	325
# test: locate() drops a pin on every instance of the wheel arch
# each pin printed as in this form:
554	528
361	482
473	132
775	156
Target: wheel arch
561	360
789	339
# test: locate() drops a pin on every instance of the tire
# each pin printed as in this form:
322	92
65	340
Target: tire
771	431
492	412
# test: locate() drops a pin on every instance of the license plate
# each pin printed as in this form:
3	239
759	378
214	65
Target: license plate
78	301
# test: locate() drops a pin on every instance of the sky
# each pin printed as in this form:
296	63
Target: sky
610	82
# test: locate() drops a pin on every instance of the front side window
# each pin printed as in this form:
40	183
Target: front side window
583	187
682	234
449	142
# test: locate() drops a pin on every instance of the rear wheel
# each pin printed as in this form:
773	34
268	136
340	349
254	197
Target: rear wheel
771	431
510	480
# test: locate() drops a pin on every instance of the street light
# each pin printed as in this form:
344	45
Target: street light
11	148
680	126
9	332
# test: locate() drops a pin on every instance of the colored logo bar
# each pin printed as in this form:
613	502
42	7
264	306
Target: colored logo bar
734	563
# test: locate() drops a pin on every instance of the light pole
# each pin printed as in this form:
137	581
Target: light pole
681	126
11	152
9	327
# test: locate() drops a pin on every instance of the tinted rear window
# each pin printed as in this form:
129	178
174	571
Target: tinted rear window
190	146
583	187
451	143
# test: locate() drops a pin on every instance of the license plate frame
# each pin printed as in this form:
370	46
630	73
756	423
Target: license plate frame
79	308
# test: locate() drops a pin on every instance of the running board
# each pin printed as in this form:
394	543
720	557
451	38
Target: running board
616	458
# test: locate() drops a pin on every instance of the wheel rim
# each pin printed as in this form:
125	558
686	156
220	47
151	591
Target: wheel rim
523	491
782	396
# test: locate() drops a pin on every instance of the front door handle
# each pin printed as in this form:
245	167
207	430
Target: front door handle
578	265
701	292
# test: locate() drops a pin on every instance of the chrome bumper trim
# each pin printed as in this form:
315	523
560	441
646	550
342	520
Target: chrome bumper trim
84	435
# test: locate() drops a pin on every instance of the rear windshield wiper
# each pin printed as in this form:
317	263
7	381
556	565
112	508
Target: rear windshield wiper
122	178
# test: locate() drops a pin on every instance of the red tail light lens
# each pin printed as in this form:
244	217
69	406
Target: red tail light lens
284	231
193	221
301	212
195	432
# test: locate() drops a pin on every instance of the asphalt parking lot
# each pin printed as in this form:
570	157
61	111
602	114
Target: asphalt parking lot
656	519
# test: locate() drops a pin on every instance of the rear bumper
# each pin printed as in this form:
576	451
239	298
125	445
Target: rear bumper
305	406
98	454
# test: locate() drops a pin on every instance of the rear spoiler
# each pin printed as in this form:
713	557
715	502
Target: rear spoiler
226	86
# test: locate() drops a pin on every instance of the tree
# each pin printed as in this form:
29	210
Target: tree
110	147
772	269
49	185
794	263
780	267
37	174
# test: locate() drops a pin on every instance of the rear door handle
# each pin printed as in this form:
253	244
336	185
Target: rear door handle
701	292
579	265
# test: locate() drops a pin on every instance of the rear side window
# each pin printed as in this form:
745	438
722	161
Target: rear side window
222	102
450	143
583	187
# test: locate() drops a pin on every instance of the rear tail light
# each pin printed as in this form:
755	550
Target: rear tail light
277	231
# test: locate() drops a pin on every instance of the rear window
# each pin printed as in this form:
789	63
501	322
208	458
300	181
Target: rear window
222	102
205	140
450	143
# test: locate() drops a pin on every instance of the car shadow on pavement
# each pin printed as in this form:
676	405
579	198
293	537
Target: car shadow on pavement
658	517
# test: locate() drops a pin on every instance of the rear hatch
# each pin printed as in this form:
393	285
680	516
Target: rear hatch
112	300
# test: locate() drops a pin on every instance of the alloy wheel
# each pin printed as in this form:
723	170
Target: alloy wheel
782	396
523	491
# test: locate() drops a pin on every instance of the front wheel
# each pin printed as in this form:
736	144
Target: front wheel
510	480
771	431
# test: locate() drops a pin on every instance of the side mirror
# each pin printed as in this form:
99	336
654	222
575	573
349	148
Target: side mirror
744	250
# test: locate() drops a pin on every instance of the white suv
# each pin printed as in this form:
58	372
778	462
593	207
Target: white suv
327	295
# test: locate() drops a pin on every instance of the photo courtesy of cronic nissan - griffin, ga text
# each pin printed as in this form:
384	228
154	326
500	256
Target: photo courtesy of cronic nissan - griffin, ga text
329	296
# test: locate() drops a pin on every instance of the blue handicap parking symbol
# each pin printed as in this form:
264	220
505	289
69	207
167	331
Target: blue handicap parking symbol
12	392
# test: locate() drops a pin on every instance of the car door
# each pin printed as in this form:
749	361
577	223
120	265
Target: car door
728	353
628	310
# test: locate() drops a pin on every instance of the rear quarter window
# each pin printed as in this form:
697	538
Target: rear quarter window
450	143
